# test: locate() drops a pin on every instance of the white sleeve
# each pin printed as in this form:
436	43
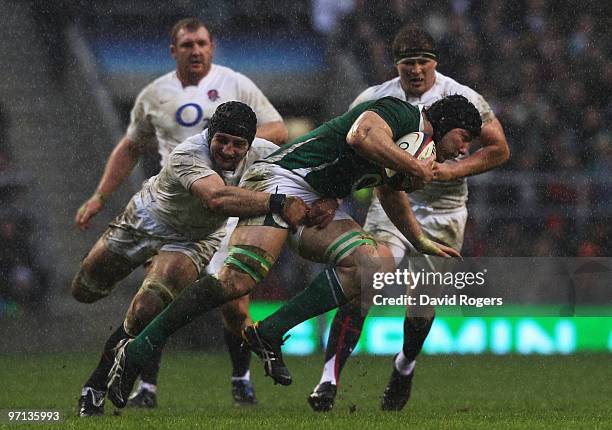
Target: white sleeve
140	129
261	148
188	167
250	94
486	113
366	95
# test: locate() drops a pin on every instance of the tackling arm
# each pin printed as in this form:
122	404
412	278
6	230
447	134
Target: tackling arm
494	153
397	207
372	138
240	202
228	200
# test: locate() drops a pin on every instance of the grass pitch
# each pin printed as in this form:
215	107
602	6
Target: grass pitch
475	392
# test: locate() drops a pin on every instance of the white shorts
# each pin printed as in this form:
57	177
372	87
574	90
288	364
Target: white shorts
136	236
270	178
442	225
216	263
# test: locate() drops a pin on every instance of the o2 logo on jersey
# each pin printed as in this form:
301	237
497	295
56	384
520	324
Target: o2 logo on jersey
190	114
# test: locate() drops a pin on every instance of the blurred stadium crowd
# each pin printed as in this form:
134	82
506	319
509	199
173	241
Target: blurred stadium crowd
23	281
545	69
544	66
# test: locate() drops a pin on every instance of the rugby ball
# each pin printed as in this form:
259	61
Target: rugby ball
418	144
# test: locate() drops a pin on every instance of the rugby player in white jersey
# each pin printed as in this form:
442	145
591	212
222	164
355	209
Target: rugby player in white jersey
440	208
172	108
344	154
176	223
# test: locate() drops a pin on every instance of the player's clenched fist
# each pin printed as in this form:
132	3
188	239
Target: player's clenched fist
294	211
322	212
427	174
88	210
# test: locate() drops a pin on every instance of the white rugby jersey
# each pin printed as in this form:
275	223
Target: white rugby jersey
441	195
166	113
166	196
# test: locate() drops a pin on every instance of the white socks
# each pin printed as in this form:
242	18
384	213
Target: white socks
146	386
245	377
329	371
402	365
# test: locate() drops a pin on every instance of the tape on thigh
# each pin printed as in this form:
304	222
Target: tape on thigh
346	244
252	260
156	287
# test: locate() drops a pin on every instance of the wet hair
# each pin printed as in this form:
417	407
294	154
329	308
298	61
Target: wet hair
453	112
234	118
189	24
412	40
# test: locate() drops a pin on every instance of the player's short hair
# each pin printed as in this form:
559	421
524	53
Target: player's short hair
234	118
189	24
412	41
453	112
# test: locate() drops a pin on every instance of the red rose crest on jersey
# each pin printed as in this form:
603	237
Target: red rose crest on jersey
213	95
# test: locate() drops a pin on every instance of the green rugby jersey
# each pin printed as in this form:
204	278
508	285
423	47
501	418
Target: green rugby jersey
329	165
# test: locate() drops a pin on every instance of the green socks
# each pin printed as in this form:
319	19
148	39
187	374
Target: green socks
323	294
198	298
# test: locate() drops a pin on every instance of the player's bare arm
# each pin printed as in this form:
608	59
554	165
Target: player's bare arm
274	131
494	152
372	138
120	164
239	202
397	207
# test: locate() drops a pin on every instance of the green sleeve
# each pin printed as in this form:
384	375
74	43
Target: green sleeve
402	117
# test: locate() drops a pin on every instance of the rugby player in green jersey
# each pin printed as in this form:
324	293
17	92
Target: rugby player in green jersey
347	153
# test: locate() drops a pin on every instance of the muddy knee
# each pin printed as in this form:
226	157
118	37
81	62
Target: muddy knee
152	297
86	289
